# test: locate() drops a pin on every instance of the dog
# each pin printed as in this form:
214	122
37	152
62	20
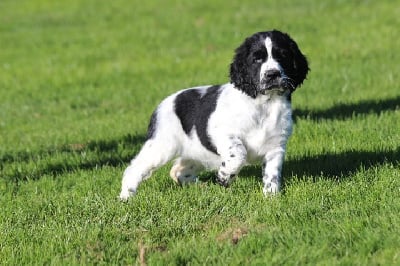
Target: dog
224	127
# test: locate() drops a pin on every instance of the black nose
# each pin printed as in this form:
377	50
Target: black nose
272	74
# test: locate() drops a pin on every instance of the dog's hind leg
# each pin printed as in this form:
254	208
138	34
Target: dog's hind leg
185	171
153	155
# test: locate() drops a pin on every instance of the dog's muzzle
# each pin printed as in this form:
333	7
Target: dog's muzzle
274	80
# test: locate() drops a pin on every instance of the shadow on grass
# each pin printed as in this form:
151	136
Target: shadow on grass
345	111
96	146
24	165
332	166
27	165
117	152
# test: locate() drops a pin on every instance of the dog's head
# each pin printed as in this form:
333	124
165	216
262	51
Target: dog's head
268	61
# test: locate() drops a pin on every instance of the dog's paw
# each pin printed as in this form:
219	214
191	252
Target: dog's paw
270	189
224	179
223	182
126	194
183	174
186	179
271	186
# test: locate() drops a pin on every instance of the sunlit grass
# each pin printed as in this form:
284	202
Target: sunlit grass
79	80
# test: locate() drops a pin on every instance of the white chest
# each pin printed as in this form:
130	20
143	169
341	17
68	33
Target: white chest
270	128
262	123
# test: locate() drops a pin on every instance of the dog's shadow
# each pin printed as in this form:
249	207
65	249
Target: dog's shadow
347	111
334	166
340	165
117	152
71	157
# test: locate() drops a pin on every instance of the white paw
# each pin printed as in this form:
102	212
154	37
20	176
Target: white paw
182	174
186	179
270	188
271	185
126	194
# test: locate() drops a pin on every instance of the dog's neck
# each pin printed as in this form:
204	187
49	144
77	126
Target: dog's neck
269	95
275	94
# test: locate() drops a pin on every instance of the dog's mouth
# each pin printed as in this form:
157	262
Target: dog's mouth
279	84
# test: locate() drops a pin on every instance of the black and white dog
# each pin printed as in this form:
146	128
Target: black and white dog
226	126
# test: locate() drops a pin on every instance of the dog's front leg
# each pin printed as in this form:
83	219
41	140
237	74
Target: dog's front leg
272	167
233	155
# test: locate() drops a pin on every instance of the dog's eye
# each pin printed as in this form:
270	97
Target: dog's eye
259	57
284	53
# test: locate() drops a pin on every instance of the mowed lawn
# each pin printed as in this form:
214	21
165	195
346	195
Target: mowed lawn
78	83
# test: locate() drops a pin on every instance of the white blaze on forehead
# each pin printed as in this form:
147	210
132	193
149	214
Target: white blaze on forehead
268	45
271	63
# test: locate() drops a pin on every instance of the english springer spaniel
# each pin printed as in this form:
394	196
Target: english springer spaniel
225	127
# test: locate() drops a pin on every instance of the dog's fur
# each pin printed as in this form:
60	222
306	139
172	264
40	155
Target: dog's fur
224	127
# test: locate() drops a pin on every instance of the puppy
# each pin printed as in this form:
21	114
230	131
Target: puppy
224	127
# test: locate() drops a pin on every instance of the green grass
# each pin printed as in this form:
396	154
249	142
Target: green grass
79	80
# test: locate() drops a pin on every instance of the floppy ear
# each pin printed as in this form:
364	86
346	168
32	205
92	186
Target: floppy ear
300	64
240	70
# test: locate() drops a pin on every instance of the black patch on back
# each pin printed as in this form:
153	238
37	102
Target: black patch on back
194	110
152	126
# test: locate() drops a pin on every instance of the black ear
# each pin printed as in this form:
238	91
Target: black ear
300	64
240	69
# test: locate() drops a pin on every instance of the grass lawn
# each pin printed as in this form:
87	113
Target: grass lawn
79	80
